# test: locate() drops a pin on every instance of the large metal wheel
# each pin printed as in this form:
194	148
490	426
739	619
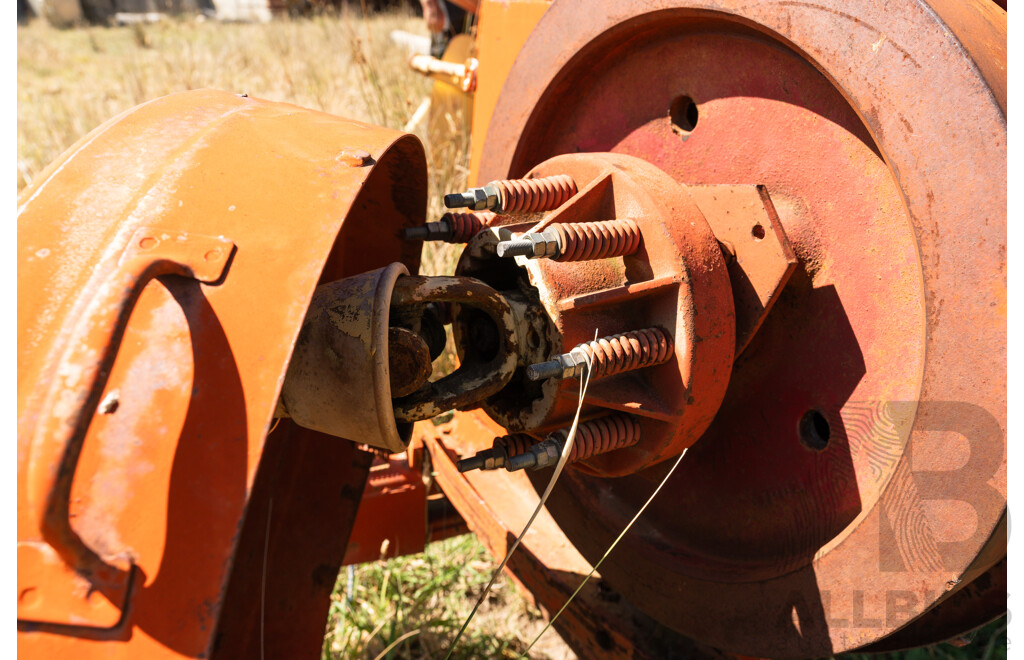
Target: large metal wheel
854	478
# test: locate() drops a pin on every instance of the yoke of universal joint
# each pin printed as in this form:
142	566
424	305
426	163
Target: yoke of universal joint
362	361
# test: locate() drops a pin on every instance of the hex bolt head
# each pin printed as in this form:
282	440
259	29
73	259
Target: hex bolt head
532	246
476	199
487	459
432	231
565	365
540	455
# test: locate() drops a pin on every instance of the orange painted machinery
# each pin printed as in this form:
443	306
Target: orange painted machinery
772	233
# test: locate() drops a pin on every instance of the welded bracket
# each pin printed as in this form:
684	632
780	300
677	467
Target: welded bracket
757	253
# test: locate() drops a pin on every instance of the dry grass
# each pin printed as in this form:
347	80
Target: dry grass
70	81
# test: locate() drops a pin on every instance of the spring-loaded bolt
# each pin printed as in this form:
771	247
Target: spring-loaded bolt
565	365
540	455
577	241
477	199
516	195
608	356
531	246
594	437
498	455
431	231
451	228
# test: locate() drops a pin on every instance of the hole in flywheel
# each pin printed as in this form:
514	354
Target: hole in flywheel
814	430
683	113
604	640
757	231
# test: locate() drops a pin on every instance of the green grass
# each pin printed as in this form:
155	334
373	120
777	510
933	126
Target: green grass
411	607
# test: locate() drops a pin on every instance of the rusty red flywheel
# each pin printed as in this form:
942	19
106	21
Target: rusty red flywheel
852	487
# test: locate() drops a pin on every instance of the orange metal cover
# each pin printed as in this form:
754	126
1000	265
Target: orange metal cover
502	31
248	204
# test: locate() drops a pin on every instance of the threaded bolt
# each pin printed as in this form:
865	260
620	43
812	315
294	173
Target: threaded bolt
531	246
432	231
488	459
540	455
593	437
459	200
476	462
415	233
519	451
565	365
476	199
516	195
518	248
451	227
608	356
544	370
499	454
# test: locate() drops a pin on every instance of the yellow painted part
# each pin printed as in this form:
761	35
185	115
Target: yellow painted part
503	28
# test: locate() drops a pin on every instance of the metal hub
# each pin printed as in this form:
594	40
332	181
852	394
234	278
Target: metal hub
676	281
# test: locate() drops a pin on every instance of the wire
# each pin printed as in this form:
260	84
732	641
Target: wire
605	555
387	649
540	505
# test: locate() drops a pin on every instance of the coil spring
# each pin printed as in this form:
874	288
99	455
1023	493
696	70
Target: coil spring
579	241
466	225
531	195
628	351
515	444
604	434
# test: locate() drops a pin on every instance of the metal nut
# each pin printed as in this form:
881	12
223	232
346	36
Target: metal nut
545	243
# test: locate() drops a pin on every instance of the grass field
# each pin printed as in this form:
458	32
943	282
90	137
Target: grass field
71	81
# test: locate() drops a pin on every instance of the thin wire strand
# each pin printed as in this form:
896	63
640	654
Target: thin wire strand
387	649
605	556
540	505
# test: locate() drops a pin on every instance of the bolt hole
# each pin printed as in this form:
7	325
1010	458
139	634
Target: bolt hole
757	232
532	338
683	113
814	430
